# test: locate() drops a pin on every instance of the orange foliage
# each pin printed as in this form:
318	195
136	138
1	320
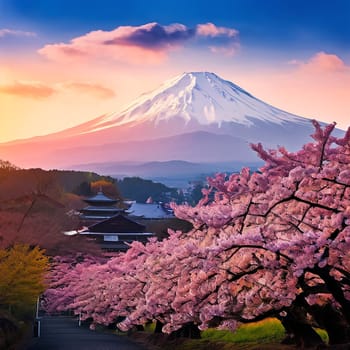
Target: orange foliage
108	188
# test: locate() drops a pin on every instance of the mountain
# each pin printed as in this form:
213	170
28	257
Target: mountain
199	98
196	117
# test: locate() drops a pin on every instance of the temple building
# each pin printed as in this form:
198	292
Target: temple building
109	226
100	207
115	233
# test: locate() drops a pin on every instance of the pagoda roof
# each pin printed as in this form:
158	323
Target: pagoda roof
100	197
118	223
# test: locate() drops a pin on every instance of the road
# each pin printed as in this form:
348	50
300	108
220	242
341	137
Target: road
63	333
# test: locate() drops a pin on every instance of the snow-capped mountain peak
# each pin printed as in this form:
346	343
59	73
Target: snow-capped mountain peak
202	97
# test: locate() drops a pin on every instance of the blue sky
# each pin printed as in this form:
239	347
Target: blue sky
293	54
317	24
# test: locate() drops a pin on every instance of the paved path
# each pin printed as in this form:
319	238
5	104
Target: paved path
63	333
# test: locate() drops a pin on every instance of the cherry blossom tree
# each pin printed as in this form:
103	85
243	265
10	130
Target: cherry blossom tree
267	243
62	278
283	233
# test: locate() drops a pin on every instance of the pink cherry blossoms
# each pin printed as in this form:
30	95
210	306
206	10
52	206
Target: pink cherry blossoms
262	244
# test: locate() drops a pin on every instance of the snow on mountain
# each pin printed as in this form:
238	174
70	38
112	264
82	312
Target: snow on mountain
200	97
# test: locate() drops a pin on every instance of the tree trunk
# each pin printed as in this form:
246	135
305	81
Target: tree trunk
189	330
333	322
298	330
335	289
159	326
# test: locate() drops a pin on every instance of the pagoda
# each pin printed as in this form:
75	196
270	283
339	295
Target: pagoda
100	207
109	226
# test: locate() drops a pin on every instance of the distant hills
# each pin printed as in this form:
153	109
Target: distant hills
175	173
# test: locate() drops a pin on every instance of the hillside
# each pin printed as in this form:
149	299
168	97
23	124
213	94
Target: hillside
34	207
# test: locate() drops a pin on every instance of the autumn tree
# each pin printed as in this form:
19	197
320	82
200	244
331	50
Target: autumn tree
267	243
108	188
22	271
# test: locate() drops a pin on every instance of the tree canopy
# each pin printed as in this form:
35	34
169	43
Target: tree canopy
107	187
22	271
139	189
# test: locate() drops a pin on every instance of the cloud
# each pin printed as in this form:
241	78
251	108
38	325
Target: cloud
322	62
146	44
210	29
40	90
27	89
89	88
152	36
11	32
220	40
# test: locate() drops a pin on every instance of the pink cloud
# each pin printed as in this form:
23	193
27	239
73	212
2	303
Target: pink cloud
35	89
27	89
223	40
89	88
12	32
145	44
210	29
322	62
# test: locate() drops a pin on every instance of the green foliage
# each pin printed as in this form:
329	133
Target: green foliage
22	271
266	334
323	334
16	182
263	335
139	189
83	189
268	330
70	180
150	327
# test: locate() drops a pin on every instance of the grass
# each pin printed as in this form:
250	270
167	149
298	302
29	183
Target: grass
262	335
150	327
269	330
323	334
